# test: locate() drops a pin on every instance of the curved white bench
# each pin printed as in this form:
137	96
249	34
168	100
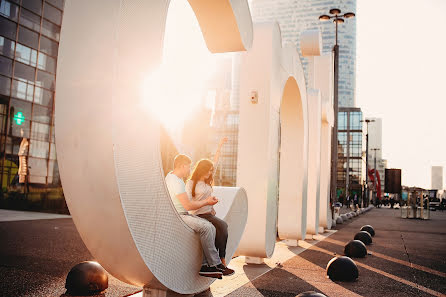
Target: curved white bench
108	146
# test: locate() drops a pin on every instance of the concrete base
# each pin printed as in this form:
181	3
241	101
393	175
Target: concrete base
254	260
291	242
321	230
149	292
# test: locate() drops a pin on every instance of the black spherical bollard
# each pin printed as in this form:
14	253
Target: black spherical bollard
355	249
342	269
369	229
86	278
364	236
311	294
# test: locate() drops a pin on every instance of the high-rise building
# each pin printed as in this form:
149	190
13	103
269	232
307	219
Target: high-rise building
295	16
29	41
437	178
351	162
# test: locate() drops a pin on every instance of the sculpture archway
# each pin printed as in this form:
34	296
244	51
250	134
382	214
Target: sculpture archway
108	147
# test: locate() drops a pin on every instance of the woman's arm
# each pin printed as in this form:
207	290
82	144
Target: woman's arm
217	153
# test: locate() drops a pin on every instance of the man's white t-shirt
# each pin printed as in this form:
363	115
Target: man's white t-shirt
176	186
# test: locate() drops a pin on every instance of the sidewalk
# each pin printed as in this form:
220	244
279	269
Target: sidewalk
408	259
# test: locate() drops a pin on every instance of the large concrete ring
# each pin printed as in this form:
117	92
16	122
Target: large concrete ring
108	146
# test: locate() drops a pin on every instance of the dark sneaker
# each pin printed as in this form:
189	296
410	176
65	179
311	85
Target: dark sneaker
226	271
210	271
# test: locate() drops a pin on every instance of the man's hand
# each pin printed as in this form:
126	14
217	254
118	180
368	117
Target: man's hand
211	200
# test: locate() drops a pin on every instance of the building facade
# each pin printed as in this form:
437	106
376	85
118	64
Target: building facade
351	160
376	148
295	16
437	178
29	40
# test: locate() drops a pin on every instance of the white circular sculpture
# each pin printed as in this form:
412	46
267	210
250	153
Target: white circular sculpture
108	146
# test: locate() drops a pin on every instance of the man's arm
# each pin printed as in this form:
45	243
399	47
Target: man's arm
193	204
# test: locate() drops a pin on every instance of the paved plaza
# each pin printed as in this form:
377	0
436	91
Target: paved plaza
408	258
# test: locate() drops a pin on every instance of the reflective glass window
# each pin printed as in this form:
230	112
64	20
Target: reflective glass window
41	114
33	5
40	131
48	46
37	166
45	80
53	14
22	90
53	152
9	10
47	63
6	47
28	37
50	30
57	3
24	72
26	55
8	28
5	85
29	19
43	97
5	66
39	149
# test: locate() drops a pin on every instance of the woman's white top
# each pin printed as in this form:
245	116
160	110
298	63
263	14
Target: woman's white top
202	191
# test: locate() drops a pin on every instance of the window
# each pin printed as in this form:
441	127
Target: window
33	5
30	20
41	114
52	14
5	66
7	28
43	97
28	37
24	72
22	90
45	80
39	149
9	10
6	47
5	85
40	131
47	63
26	55
48	46
57	3
50	30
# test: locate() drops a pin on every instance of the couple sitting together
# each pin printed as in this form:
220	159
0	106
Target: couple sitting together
194	202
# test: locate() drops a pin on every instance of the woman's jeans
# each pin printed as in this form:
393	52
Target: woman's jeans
221	238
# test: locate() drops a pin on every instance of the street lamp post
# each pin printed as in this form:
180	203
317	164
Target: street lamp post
335	14
367	121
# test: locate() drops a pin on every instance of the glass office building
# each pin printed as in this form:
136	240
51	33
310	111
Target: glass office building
29	41
351	149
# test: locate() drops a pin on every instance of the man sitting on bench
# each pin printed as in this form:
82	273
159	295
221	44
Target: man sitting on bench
182	203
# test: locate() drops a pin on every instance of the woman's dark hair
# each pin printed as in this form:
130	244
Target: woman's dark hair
202	168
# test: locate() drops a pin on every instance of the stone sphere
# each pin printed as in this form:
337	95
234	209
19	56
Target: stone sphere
344	217
364	236
339	220
342	269
348	215
354	213
369	229
311	294
86	278
355	249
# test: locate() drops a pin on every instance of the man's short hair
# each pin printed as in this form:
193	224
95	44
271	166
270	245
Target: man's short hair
181	160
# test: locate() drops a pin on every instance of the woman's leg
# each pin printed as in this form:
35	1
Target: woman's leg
221	237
